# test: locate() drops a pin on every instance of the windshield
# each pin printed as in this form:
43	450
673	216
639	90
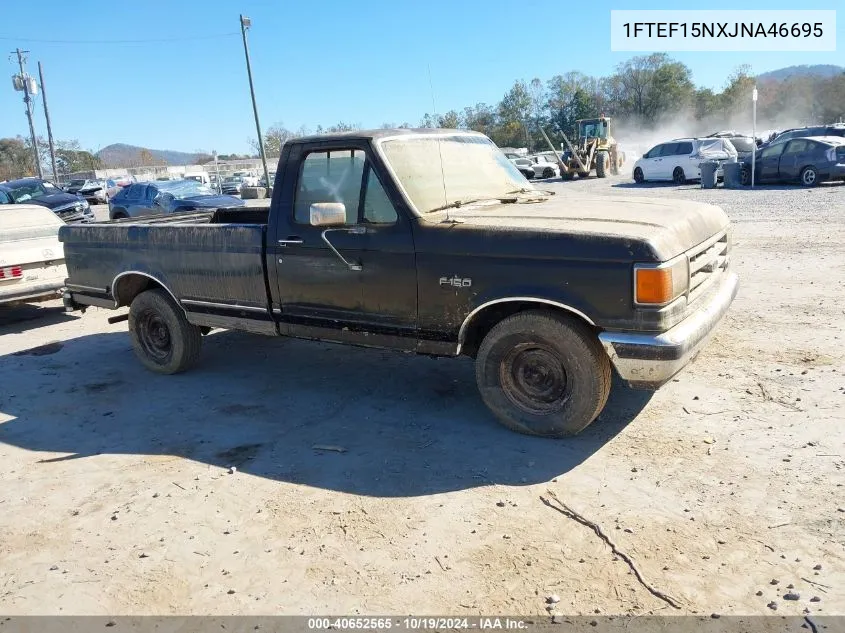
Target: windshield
28	191
233	179
438	171
185	188
592	129
77	183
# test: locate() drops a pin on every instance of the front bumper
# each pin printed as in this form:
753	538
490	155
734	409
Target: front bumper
647	361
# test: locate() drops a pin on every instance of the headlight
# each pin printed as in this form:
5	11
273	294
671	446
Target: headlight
659	284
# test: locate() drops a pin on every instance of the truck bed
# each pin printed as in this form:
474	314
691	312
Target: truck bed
212	262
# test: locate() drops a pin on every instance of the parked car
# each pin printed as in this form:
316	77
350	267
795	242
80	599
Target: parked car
368	246
248	178
123	181
68	206
262	182
835	129
679	160
232	185
808	161
545	166
153	198
525	166
200	177
94	191
744	145
32	261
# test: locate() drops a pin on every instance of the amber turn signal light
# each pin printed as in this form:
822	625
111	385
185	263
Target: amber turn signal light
654	285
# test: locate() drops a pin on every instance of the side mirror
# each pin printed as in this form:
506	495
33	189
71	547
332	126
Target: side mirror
328	214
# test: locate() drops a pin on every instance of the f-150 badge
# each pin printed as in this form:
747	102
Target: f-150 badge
456	282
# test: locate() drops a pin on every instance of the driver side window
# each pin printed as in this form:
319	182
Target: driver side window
333	176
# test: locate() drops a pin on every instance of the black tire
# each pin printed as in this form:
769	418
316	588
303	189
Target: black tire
119	214
614	164
163	339
639	178
744	176
678	176
548	172
809	176
602	161
544	374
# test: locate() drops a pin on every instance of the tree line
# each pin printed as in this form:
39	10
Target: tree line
644	93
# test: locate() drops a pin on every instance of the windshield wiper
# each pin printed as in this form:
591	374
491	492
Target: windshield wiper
459	203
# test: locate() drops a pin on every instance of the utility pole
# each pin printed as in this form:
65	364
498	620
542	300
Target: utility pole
753	133
24	79
245	24
49	129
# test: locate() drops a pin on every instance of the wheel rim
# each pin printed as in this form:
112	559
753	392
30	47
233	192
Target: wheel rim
809	177
534	379
679	175
154	336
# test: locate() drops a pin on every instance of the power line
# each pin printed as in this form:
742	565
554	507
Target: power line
163	39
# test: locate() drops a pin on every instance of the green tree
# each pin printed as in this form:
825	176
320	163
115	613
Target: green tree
16	159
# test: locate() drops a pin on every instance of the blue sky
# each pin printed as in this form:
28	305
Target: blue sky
362	61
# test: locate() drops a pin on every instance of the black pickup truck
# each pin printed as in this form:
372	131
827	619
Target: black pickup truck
427	241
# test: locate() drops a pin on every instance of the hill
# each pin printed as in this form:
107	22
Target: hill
817	70
122	155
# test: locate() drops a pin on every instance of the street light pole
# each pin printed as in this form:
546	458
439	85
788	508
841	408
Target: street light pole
49	129
28	101
245	24
754	133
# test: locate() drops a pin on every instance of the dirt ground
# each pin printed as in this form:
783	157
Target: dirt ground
116	495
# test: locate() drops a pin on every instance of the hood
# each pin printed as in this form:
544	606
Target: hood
661	228
55	200
213	201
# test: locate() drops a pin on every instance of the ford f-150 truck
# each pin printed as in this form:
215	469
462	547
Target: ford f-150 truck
427	241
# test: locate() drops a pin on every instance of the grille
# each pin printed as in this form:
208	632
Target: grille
706	263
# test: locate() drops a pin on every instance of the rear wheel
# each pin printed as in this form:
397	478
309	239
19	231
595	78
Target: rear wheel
548	172
162	338
745	176
638	175
119	214
541	373
602	160
809	176
678	176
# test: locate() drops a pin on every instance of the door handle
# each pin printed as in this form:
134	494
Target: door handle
291	239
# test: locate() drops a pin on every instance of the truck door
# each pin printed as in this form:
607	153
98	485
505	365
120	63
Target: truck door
375	291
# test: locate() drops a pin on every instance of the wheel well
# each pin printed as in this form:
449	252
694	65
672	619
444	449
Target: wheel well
484	321
130	286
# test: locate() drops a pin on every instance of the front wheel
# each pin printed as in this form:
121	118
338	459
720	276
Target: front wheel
602	160
639	178
809	177
544	374
162	338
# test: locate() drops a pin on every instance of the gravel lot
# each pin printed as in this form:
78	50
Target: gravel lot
116	494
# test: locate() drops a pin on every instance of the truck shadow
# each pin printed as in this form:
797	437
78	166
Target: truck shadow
17	318
383	423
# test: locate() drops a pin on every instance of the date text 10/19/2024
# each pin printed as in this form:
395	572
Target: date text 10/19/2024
416	624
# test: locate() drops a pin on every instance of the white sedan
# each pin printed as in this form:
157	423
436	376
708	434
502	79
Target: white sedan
526	166
545	166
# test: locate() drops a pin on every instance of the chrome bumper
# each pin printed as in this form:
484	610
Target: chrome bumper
647	361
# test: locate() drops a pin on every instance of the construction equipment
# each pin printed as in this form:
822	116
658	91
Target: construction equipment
594	149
